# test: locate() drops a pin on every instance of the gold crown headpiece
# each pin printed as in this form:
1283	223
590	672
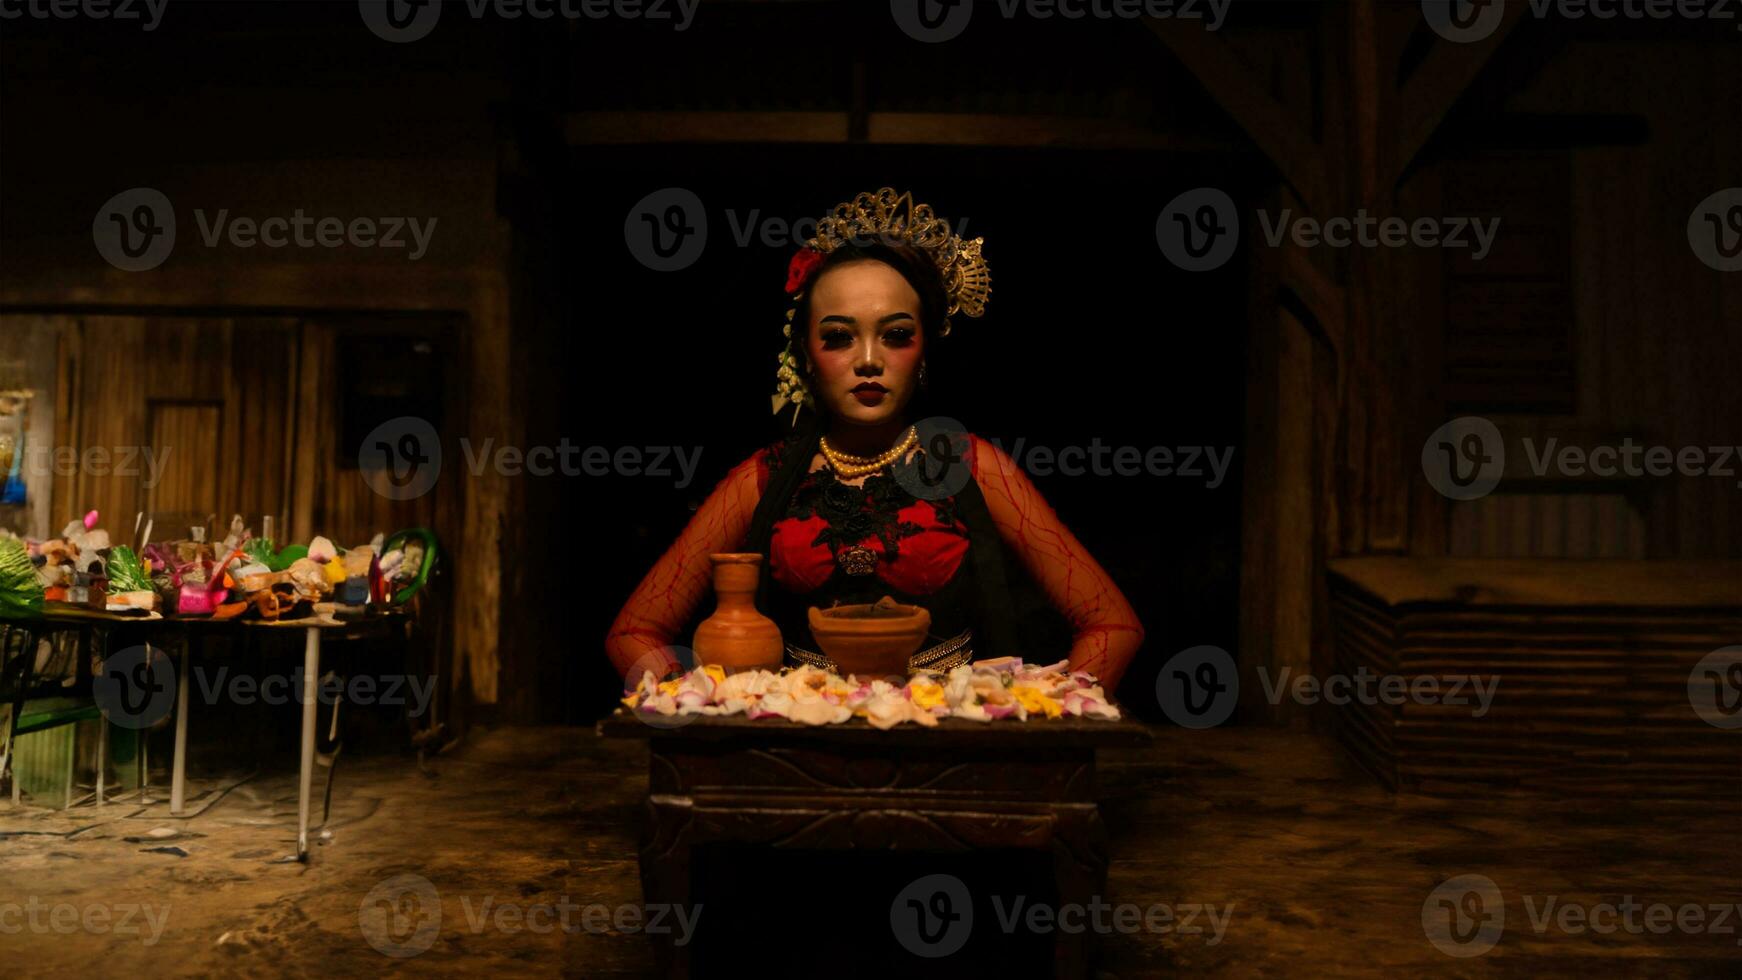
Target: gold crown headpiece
887	218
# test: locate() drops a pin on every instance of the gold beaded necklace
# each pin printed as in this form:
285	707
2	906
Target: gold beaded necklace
849	467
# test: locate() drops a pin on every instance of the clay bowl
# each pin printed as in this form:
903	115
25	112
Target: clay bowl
871	640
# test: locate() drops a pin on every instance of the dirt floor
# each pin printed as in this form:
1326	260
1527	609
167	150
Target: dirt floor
1296	865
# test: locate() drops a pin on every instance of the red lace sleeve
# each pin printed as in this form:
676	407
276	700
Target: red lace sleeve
1106	632
672	590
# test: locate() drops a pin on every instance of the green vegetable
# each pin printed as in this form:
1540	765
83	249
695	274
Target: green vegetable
262	551
126	573
20	590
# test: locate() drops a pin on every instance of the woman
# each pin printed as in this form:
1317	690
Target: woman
860	501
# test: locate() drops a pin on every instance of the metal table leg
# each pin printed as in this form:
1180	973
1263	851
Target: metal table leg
179	769
86	649
8	757
102	755
311	671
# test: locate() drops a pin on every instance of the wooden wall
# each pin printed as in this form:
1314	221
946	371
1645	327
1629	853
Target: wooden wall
1653	336
239	414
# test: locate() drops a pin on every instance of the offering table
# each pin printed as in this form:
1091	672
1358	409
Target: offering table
961	786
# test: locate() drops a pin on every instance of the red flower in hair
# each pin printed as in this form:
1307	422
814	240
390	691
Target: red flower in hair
799	269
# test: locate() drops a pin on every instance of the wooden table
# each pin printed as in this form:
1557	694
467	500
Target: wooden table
961	786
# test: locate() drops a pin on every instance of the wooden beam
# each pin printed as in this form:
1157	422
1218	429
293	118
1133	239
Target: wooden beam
1430	93
978	129
601	128
1320	296
1276	130
918	128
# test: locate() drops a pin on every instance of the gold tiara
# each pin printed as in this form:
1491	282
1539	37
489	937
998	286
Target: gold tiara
887	217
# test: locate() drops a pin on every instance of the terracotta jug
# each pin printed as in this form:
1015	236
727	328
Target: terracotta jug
736	636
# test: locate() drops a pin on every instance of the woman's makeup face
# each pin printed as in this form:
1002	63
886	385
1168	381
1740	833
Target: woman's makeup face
865	341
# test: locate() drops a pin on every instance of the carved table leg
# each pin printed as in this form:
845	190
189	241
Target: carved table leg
1079	859
665	871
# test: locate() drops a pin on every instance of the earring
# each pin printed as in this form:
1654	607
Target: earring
922	374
